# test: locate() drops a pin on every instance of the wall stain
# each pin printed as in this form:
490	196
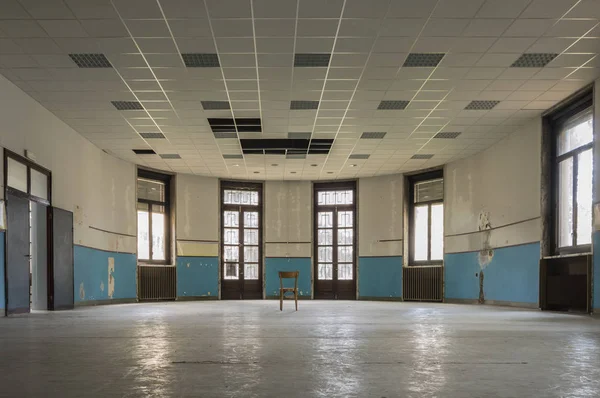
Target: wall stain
111	278
81	291
486	254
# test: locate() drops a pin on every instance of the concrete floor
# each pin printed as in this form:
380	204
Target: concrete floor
327	349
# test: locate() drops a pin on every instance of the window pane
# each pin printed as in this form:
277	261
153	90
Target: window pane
151	189
240	197
565	203
325	237
325	254
231	219
251	219
232	236
345	254
584	197
345	219
158	235
231	271
250	271
325	219
251	254
437	232
325	271
421	233
345	271
345	236
143	235
576	133
326	198
344	197
17	175
39	184
251	236
232	254
428	191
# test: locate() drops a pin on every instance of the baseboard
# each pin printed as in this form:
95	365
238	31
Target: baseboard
91	303
288	299
497	303
376	298
197	298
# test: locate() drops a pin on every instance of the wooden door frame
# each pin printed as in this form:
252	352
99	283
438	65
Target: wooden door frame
247	186
335	186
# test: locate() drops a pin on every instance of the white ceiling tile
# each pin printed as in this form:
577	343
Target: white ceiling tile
457	8
237	45
229	9
502	9
320	8
411	9
275	27
529	27
445	27
472	44
388	45
22	28
54	60
38	46
18	61
362	27
147	28
161	45
550	45
497	60
585	45
571	27
512	45
274	8
487	27
408	27
138	9
585	9
190	28
317	27
183	9
11	9
48	9
104	27
232	28
63	28
547	8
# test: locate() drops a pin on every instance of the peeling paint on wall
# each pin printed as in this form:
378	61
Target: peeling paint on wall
486	254
111	278
81	291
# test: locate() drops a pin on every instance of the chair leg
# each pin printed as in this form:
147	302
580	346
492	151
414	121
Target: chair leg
281	300
296	297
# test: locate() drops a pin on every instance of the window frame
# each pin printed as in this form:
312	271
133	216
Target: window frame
30	165
165	179
413	181
556	120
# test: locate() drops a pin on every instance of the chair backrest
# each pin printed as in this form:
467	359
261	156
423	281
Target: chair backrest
287	275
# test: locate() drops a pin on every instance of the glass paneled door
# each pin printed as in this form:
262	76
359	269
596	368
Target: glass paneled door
335	242
241	254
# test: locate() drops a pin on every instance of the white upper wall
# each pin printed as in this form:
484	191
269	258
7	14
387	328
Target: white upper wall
380	215
98	188
501	183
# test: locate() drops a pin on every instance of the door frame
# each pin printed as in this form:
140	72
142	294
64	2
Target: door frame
243	186
27	195
335	186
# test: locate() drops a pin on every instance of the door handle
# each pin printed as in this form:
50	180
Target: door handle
28	255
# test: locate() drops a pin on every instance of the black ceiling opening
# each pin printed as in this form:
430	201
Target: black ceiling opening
286	146
228	125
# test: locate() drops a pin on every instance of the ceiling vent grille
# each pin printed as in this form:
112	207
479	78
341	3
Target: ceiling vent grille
152	136
422	156
228	125
392	105
91	60
423	60
373	135
427	191
533	60
481	105
127	105
232	156
201	60
447	134
359	156
312	60
304	105
215	105
170	156
144	152
225	135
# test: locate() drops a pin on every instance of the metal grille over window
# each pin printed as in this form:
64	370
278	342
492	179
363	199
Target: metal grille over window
429	191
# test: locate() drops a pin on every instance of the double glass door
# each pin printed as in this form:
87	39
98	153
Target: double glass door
241	251
335	244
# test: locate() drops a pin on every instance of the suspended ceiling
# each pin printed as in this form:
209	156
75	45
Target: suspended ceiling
387	86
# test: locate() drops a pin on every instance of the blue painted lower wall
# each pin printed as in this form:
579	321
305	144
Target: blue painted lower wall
511	276
91	275
380	277
275	264
596	272
2	284
198	277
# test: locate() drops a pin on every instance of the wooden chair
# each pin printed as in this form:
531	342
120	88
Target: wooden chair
284	290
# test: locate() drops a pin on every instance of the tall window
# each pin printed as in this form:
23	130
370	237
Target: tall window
427	219
573	136
153	217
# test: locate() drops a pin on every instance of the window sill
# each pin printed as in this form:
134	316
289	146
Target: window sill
141	264
582	254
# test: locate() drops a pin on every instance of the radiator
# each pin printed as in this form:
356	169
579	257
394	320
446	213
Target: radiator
423	283
156	282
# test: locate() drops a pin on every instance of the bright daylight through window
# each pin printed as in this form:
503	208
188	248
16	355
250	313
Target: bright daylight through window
153	217
427	219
